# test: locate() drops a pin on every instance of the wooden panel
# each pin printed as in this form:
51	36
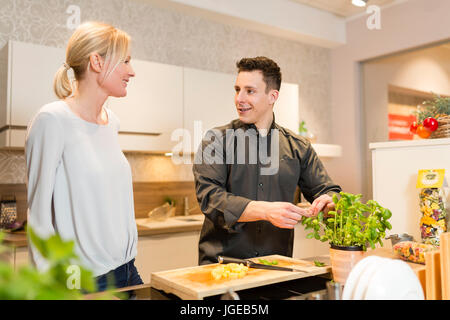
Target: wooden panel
445	265
433	275
197	282
147	196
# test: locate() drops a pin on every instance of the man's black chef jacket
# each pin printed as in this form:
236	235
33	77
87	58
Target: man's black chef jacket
224	189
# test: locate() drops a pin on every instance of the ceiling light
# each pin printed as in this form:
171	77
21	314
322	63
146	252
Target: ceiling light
359	3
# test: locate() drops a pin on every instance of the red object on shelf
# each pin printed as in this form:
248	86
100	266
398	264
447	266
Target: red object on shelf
430	123
399	126
423	132
413	127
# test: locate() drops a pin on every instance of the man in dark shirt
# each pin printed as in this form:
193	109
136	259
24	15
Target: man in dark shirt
246	174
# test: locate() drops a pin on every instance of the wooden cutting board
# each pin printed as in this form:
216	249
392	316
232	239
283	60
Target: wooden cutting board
196	283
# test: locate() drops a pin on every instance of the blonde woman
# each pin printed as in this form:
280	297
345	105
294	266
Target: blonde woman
79	181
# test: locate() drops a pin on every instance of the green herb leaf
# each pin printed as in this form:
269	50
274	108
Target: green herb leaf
318	263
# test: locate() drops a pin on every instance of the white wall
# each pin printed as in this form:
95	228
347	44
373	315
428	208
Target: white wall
405	26
281	18
425	70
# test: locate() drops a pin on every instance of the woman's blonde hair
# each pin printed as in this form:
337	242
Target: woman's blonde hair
90	37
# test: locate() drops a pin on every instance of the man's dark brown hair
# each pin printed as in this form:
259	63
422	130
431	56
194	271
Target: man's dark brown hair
270	70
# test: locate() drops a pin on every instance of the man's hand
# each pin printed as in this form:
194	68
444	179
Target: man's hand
280	214
323	203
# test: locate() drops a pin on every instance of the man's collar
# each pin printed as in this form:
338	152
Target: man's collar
247	126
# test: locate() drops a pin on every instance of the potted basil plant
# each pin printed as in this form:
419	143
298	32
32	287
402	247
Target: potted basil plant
350	229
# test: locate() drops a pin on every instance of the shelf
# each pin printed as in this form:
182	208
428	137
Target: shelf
409	143
327	150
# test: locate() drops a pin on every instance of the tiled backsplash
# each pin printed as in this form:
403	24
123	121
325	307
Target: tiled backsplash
12	167
144	168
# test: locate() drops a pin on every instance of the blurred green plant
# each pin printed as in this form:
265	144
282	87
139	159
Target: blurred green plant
170	201
302	130
65	278
352	223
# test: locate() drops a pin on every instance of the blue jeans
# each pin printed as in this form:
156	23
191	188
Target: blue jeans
124	276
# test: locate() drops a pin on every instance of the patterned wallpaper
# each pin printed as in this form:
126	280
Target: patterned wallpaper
171	37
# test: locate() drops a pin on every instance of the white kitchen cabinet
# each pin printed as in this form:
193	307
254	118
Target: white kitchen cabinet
165	252
395	166
15	256
26	84
153	107
286	107
209	101
21	257
161	99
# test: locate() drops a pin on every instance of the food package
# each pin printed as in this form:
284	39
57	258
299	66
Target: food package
433	221
413	251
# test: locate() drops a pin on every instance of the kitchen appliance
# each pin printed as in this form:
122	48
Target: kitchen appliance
399	238
8	211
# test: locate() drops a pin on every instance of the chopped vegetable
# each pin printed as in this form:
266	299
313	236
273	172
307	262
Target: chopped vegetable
268	263
229	271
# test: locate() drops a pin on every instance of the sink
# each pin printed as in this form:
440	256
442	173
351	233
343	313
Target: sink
175	222
189	219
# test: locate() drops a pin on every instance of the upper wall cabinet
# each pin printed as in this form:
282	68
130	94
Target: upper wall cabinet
286	107
160	99
26	84
153	107
209	103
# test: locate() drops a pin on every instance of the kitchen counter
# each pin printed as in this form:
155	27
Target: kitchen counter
16	239
310	288
171	225
299	289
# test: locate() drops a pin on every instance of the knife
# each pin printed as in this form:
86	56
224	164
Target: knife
251	264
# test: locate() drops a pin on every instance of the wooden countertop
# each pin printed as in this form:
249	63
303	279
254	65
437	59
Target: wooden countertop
146	292
172	225
16	239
